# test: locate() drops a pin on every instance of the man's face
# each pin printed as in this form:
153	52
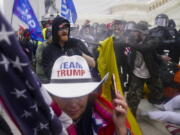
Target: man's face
63	32
136	35
117	28
74	107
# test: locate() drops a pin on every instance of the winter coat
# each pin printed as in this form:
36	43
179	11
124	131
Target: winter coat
54	50
148	49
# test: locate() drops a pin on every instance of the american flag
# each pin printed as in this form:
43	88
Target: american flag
127	51
20	90
173	128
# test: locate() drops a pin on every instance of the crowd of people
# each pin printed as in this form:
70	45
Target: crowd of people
66	64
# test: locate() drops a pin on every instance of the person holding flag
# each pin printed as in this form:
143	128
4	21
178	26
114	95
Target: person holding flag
74	90
106	62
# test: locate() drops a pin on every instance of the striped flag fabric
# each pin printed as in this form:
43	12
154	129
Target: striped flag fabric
173	129
20	90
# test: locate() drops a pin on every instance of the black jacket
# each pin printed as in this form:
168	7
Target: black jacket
54	50
148	49
168	41
121	60
27	47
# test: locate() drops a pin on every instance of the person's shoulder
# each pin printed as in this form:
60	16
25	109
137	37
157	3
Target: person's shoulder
74	40
48	48
50	45
156	29
43	45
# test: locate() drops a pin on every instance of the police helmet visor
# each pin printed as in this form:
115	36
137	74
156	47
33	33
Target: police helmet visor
161	22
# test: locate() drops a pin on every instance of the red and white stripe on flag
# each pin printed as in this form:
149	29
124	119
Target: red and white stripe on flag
173	129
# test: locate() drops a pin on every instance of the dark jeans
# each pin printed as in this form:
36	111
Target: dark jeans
135	91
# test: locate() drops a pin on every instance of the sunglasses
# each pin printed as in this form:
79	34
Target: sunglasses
63	26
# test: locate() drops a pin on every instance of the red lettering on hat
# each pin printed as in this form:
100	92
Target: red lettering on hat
58	73
63	72
69	72
82	72
75	72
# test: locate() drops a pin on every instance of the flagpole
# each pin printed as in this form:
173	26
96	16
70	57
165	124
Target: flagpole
12	13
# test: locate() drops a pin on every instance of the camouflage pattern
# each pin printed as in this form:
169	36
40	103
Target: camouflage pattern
135	91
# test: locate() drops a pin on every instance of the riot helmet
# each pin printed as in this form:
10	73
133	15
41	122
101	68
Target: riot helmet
130	26
171	23
162	20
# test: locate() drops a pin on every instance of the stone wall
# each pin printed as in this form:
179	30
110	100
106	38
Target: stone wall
147	11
